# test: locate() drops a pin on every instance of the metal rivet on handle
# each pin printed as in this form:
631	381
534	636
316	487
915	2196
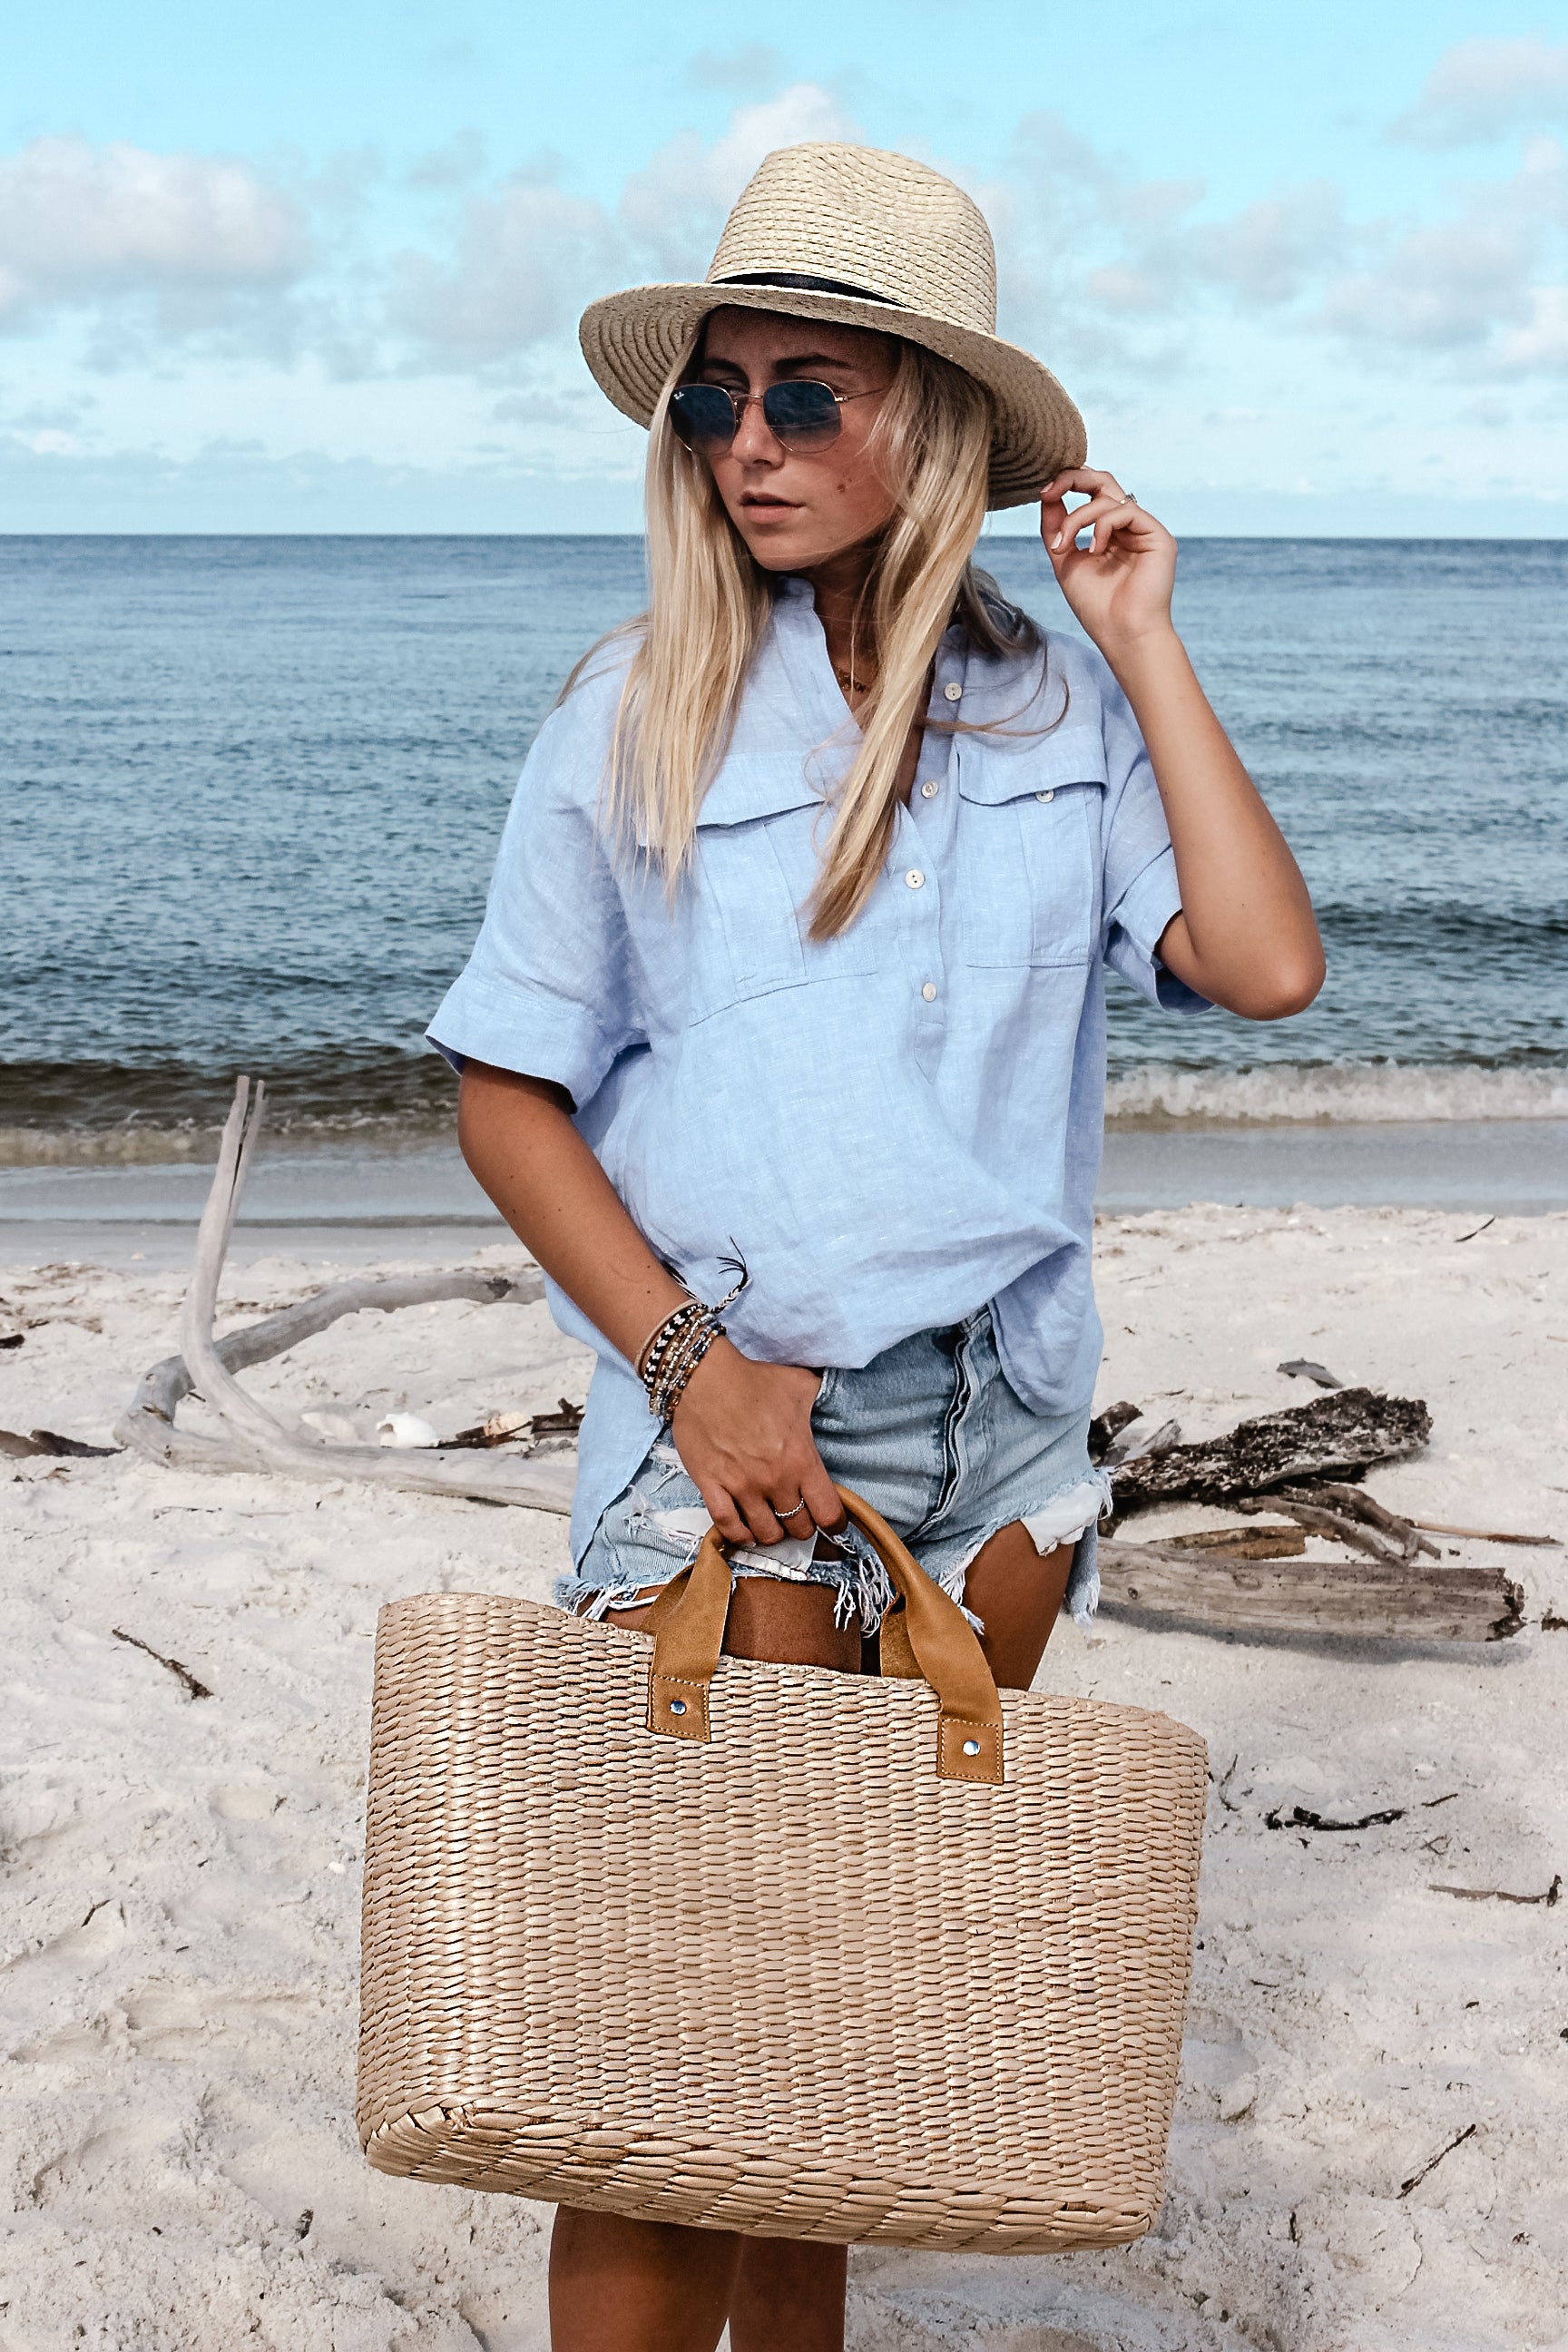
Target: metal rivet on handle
971	1746
678	1706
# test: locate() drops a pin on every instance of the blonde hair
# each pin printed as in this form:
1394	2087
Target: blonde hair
711	602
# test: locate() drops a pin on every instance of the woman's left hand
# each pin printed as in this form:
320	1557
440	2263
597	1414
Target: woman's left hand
1118	586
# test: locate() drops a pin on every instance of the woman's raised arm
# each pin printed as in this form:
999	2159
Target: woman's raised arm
1246	937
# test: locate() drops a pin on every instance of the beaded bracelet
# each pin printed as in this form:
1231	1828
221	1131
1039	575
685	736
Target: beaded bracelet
656	1346
672	1386
674	1349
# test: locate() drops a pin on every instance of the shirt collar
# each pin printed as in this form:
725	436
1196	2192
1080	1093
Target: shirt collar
802	647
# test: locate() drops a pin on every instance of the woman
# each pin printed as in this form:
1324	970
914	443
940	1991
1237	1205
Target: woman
788	999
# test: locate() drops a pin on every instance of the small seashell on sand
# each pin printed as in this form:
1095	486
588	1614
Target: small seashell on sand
405	1429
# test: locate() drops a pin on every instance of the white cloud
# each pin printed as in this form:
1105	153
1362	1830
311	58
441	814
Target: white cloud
1079	244
524	253
1078	232
1275	246
1476	288
1440	288
1119	278
673	210
528	255
83	225
453	165
1483	88
1538	344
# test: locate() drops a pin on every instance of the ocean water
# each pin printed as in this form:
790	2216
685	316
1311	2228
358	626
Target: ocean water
250	791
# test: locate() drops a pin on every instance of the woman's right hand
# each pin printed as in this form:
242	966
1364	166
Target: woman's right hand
743	1432
741	1428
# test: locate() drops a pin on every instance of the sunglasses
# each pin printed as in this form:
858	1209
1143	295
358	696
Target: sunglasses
706	416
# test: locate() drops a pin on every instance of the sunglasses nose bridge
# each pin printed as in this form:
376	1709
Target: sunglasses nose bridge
755	437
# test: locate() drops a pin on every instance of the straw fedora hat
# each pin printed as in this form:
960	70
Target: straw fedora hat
869	240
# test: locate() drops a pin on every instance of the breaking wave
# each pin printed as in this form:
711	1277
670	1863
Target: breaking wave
1292	1093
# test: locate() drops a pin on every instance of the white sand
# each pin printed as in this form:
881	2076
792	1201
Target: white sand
179	1936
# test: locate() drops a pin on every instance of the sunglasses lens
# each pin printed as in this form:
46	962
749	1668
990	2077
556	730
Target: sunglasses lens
703	415
801	415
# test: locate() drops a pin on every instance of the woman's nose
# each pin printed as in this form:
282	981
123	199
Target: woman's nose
754	441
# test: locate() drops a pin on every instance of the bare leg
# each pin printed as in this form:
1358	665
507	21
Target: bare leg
1017	1593
637	2286
788	2294
652	2286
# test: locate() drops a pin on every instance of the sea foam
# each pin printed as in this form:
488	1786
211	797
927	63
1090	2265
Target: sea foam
1284	1093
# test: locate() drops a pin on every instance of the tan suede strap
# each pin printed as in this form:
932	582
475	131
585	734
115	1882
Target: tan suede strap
686	1622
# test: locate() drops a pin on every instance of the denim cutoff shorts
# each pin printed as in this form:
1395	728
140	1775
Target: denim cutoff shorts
932	1434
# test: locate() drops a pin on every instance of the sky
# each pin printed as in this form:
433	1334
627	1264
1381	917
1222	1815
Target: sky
319	267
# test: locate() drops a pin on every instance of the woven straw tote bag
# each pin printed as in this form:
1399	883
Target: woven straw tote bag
767	1948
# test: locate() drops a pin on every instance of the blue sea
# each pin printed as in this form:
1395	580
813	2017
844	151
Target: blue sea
251	789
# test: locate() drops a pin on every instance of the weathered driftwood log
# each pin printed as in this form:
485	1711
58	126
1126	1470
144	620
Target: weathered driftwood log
1346	1430
1398	1599
50	1441
1107	1426
1242	1543
148	1422
253	1438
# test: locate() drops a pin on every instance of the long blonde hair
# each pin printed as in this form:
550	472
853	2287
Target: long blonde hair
711	602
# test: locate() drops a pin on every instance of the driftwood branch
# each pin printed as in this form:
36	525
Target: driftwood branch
193	1686
1419	2175
1483	1534
1346	1430
148	1420
253	1438
50	1441
1302	1817
1357	1504
1551	1897
1396	1599
1107	1426
1242	1543
1319	1521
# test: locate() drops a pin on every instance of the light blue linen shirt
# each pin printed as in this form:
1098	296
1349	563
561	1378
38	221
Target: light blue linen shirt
888	1129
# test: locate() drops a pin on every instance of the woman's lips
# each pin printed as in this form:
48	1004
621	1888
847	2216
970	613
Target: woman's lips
759	503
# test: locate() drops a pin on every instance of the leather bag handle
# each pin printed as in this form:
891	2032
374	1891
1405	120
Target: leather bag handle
929	1637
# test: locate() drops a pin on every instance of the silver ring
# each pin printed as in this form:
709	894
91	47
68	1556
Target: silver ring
793	1511
1128	499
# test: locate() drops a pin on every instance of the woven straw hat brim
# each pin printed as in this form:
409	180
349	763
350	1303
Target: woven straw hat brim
633	340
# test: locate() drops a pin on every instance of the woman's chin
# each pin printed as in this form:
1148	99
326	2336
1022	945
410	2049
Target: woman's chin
779	546
785	546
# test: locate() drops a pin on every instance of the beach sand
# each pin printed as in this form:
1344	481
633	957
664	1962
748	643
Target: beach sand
180	1931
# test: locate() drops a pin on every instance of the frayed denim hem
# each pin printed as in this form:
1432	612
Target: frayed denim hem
862	1588
1081	1598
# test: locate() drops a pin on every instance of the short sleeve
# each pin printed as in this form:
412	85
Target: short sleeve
1140	889
547	990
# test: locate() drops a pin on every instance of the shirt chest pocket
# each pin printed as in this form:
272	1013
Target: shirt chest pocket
1029	850
753	868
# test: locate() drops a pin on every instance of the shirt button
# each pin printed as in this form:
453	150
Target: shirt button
928	991
953	692
914	877
928	791
1045	796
